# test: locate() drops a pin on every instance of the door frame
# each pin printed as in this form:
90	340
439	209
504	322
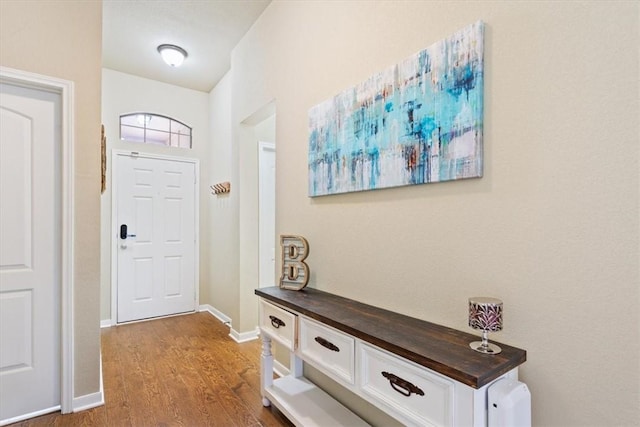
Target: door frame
65	89
114	224
262	148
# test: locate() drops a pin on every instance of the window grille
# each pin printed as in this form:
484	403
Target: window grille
154	129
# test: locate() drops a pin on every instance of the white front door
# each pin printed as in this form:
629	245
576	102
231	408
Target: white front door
155	230
267	213
30	251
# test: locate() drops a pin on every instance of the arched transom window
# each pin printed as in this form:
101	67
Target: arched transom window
154	129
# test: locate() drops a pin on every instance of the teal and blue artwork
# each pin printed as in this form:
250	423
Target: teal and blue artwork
417	122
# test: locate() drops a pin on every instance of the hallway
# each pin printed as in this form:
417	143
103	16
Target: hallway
175	371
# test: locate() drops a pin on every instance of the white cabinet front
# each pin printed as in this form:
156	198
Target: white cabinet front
280	324
408	392
329	350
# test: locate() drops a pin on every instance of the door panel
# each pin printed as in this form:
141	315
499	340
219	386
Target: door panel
156	262
143	208
16	168
17	309
143	279
30	262
173	273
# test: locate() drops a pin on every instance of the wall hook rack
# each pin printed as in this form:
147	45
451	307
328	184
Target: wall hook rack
221	188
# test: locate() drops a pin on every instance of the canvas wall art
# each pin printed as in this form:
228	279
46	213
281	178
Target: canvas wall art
417	122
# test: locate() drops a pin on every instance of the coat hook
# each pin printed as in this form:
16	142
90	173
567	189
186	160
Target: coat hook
221	188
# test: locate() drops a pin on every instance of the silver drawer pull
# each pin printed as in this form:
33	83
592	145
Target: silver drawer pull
402	386
326	344
275	322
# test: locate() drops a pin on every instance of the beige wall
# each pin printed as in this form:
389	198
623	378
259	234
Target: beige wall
64	40
552	228
233	217
222	290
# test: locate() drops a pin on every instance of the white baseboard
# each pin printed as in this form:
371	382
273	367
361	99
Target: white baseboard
216	313
30	415
239	337
106	323
91	400
88	401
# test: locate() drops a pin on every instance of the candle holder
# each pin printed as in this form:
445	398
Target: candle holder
485	314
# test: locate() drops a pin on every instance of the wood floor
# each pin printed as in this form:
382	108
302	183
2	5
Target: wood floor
176	371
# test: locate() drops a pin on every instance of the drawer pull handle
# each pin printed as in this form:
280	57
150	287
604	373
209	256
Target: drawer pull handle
275	322
326	344
403	387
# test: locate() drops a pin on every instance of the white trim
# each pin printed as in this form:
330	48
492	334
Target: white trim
150	319
263	148
90	400
66	90
114	226
216	313
241	337
106	323
144	155
196	267
114	250
29	415
238	337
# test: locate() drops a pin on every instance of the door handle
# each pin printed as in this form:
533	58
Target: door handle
123	232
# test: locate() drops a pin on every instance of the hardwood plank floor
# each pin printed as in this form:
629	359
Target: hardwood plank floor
175	371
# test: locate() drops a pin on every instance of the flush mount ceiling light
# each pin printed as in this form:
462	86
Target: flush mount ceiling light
172	55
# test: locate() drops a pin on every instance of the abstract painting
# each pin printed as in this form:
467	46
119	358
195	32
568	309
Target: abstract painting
417	122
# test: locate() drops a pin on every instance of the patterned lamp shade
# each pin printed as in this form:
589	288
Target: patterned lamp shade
485	314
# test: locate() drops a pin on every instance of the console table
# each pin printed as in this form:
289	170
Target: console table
418	372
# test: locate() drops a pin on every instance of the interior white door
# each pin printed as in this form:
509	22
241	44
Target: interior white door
30	247
267	212
156	201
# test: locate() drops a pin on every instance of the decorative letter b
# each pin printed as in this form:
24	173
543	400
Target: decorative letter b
295	272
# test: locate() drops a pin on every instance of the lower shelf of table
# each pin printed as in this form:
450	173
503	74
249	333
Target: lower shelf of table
304	404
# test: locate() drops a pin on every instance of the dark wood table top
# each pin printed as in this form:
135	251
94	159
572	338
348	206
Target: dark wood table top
439	348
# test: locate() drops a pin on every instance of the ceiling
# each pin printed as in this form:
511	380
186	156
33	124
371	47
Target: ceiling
207	29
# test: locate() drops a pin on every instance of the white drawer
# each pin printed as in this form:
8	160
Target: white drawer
328	349
408	392
278	323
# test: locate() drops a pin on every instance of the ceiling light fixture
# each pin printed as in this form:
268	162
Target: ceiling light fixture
172	55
